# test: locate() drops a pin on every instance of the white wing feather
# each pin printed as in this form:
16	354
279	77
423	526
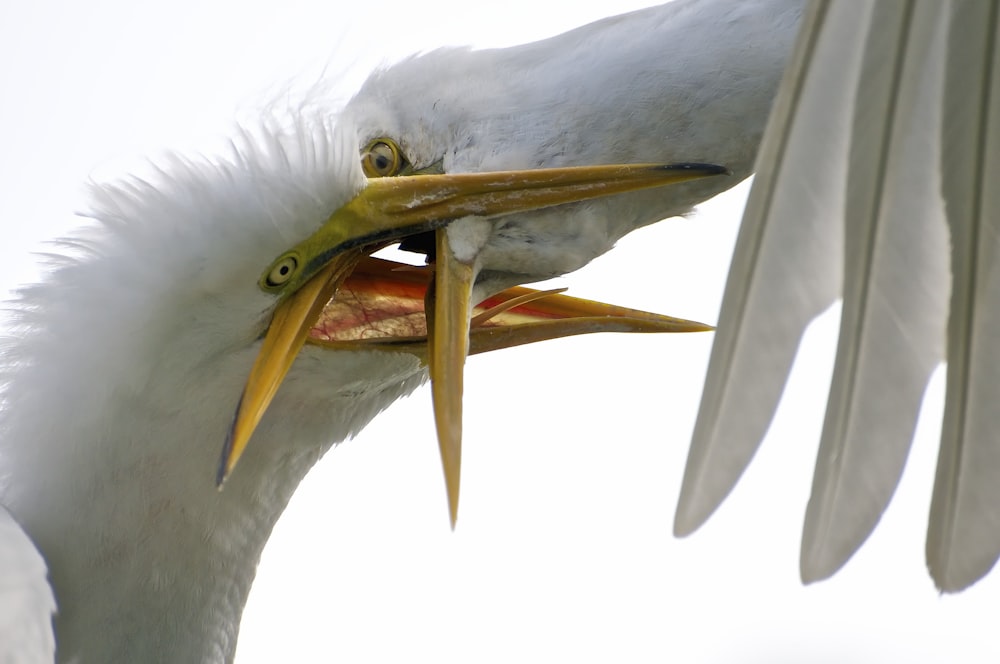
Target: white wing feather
963	540
860	133
787	262
895	285
26	601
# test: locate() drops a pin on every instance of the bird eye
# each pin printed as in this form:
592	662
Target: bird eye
281	271
382	158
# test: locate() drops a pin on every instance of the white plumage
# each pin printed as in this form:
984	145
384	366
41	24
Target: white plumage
26	601
555	624
160	298
148	559
701	105
896	96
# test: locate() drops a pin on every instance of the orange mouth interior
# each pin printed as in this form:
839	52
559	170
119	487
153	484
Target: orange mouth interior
384	300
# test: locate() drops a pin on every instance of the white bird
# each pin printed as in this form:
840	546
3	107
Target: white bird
714	612
109	440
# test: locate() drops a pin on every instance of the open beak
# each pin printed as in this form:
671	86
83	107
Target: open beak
308	276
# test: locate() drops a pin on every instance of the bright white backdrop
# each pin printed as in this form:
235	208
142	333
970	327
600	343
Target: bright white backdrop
574	449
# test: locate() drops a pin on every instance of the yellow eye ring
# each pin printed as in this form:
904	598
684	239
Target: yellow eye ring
382	158
282	270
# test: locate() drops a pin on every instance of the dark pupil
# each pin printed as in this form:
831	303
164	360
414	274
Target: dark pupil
381	162
283	270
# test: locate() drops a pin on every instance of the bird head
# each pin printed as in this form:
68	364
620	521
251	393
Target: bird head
310	281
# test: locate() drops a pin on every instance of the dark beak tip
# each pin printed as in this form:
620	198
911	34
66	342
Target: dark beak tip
706	168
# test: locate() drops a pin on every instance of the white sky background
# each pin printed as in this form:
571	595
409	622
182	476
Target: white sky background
573	450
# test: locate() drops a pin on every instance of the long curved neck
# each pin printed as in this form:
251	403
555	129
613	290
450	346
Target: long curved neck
148	561
115	452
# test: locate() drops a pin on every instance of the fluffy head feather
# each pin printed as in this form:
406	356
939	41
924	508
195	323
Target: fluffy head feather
122	372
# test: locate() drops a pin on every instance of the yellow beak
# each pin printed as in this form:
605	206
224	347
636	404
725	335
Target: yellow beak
307	276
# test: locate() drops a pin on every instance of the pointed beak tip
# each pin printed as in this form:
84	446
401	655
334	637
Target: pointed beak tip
705	168
222	472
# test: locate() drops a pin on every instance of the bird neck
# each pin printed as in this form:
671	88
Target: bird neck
116	452
149	562
118	397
